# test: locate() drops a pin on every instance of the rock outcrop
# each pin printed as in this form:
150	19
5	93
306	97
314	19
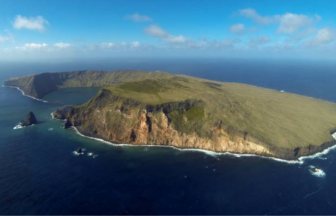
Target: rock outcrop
61	113
30	120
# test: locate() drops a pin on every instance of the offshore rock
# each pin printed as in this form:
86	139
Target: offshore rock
30	120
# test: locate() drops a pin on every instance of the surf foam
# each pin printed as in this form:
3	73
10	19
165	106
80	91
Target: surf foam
316	172
211	153
318	154
19	126
25	94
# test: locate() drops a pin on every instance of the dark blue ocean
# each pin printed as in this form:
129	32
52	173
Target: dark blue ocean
39	174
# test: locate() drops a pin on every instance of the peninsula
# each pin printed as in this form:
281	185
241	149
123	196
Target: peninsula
158	108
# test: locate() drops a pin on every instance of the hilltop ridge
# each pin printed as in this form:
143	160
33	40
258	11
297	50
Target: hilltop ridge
41	84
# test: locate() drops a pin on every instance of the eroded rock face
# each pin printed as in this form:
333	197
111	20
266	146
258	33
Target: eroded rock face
30	119
185	124
128	121
67	124
62	113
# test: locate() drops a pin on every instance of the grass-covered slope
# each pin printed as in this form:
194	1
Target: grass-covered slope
281	119
41	84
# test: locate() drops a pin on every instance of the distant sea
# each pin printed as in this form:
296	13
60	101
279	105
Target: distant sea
39	174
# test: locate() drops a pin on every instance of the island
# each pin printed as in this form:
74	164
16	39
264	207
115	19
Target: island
159	108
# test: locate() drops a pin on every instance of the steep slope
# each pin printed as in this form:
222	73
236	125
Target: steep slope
188	112
41	84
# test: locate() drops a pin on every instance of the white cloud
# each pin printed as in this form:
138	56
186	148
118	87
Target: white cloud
44	47
258	41
156	31
176	39
121	45
290	23
62	45
227	43
34	46
238	29
323	36
4	38
135	44
301	34
139	18
252	14
32	23
182	42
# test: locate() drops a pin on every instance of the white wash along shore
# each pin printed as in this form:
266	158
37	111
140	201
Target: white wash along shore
25	94
214	154
300	160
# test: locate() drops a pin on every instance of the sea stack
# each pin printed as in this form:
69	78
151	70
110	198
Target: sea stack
79	151
31	119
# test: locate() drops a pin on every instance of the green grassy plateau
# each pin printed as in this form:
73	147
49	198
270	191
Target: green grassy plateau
282	119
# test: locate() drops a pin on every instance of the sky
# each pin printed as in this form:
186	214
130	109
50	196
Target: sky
87	29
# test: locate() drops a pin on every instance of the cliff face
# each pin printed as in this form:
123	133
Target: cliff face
41	84
181	124
129	121
158	108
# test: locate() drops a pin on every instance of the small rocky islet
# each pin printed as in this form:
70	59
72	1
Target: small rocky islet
30	120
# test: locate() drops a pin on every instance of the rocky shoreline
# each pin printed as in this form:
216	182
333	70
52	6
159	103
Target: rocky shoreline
241	142
157	108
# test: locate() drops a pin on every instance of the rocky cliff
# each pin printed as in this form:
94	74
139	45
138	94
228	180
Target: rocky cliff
119	114
158	108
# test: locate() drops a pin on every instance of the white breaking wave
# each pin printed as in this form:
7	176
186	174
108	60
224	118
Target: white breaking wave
211	153
52	117
334	135
316	172
320	154
25	94
50	129
19	126
76	153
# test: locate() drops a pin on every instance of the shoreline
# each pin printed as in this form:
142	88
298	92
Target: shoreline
212	153
300	160
25	94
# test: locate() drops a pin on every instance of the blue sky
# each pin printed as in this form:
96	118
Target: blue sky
49	29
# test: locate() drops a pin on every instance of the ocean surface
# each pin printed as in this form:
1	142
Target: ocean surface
39	174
